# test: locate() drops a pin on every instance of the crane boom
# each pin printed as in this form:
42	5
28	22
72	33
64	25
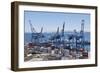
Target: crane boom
41	29
32	28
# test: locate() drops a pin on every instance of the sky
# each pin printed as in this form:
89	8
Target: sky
50	21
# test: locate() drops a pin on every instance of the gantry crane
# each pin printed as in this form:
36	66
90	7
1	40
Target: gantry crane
77	40
36	36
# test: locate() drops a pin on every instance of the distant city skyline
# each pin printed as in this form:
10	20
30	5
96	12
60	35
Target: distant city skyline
50	21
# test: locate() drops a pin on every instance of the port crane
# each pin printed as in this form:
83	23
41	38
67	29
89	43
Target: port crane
36	36
82	34
62	34
58	38
77	40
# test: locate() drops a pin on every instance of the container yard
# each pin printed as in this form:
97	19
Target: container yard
57	46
